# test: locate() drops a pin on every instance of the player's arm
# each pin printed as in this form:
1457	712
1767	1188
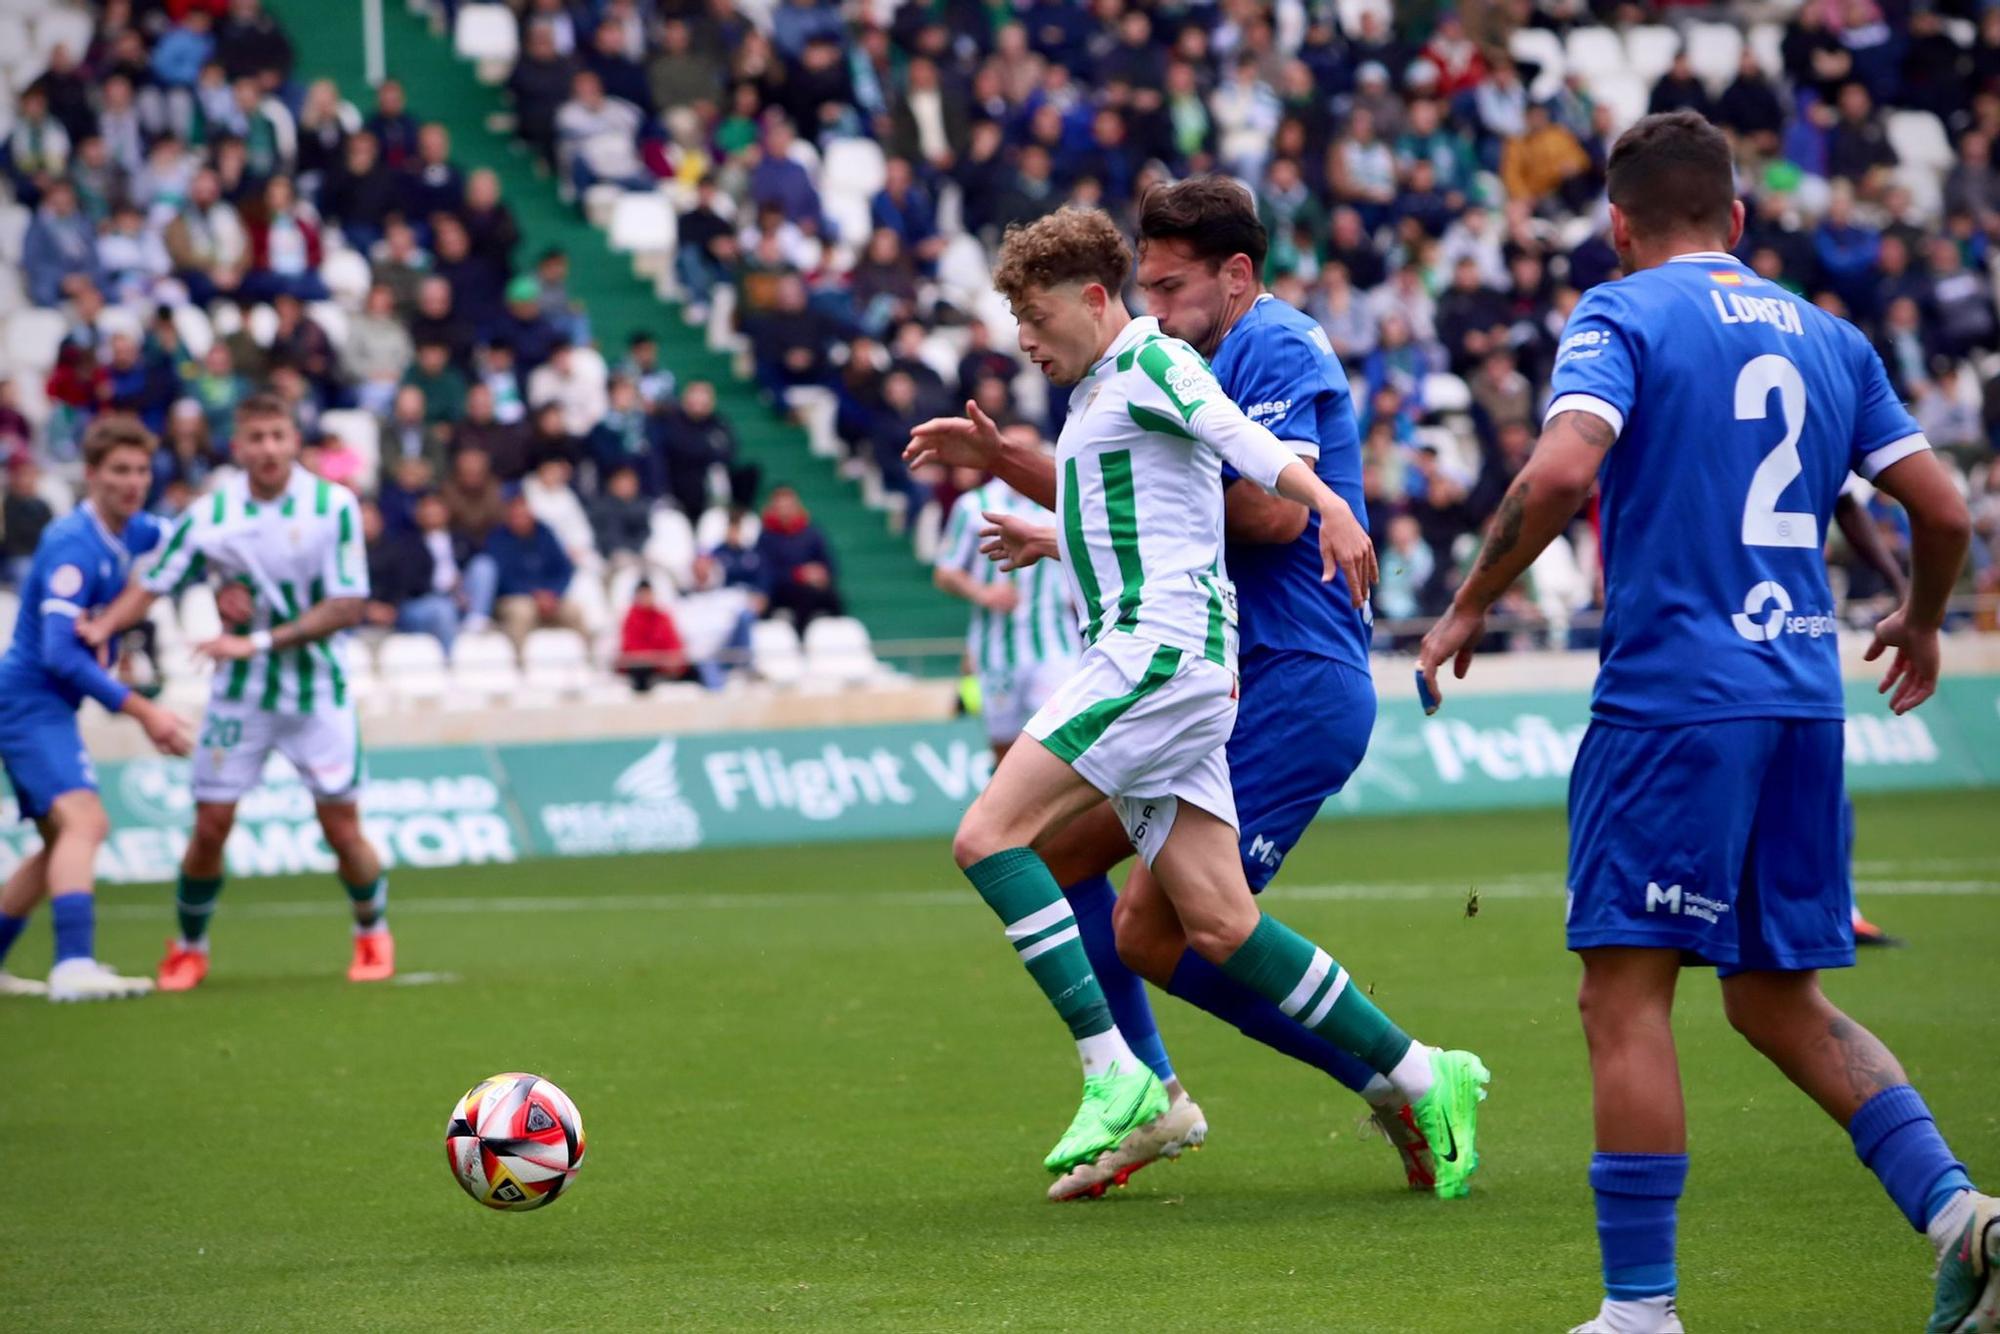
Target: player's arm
1864	535
67	658
1535	510
344	576
1252	514
973	441
1940	534
178	558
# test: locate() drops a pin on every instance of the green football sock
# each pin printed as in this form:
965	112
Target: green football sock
194	903
371	900
1283	966
1016	884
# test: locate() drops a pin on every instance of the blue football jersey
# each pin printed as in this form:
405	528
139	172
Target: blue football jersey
1740	410
1276	364
80	566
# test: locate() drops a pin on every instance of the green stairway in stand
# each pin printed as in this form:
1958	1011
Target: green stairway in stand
882	581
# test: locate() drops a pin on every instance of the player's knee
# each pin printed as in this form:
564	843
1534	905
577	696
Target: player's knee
1145	944
211	831
84	821
975	841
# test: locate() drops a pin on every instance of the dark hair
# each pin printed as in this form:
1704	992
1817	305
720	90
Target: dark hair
107	434
1673	173
1213	215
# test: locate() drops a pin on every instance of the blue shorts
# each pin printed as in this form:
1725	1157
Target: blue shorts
1726	841
1302	726
42	752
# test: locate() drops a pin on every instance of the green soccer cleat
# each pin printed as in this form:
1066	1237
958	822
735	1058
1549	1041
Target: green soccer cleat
1449	1117
1968	1275
1115	1104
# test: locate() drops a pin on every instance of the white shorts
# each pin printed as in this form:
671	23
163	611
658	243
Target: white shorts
237	738
1007	699
1147	726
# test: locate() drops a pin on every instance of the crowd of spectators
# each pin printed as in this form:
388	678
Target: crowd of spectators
1433	197
191	202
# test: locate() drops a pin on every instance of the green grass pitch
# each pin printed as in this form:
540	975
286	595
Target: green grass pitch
818	1088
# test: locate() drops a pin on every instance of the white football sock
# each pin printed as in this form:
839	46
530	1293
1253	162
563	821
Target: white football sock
1643	1315
1412	1075
1103	1050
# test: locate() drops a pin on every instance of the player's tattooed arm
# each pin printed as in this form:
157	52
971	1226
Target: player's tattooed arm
1540	503
319	621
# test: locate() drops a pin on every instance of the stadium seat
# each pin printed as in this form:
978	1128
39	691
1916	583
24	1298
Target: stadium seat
1445	392
1768	41
556	661
1715	50
483	668
191	324
775	653
413	666
363	434
1544	50
1650	49
852	219
332	319
1595	53
854	166
34	337
347	277
713	526
13	296
963	272
14	220
71	28
838	650
17	50
1919	140
1625	93
261	324
643	225
10	610
490	37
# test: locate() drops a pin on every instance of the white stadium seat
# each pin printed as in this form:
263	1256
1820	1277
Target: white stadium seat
14	220
363	434
69	28
713	526
346	275
838	650
855	167
644	226
483	668
1919	140
670	547
1768	41
413	666
1650	49
1544	50
1445	392
774	652
489	35
557	661
34	337
1595	52
1715	50
332	319
197	335
1625	93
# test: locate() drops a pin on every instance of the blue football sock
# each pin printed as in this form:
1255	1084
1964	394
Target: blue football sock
1898	1141
1205	986
10	931
1637	1194
1124	990
75	918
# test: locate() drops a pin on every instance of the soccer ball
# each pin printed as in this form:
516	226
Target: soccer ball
514	1142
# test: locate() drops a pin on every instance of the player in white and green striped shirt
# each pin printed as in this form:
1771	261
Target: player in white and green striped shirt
289	547
1023	638
1144	720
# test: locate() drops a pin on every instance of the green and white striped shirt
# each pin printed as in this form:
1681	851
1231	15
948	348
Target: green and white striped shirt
1139	491
1042	627
301	549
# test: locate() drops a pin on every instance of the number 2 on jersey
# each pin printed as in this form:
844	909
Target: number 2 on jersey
1764	524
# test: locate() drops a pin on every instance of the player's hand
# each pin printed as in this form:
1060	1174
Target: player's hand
1453	640
168	732
227	648
95	632
235	603
971	441
1015	543
1913	672
1344	547
1002	598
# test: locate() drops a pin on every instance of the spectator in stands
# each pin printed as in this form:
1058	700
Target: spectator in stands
1680	89
59	251
408	432
621	520
622	438
285	248
619	75
797	564
23	516
432	184
1858	150
692	441
790	344
438	320
401	265
489	224
1961	302
252	45
528	333
649	645
653	382
360	192
905	208
474	498
554	500
444	385
138	380
597	137
377	351
574	382
394	128
1545	161
532	574
1408	565
780	181
1947	406
476	284
400	573
930	121
679	76
505	444
1752	108
298	340
707	250
739	561
541	83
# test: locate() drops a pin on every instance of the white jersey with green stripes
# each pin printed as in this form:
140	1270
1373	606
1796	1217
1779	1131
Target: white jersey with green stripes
297	550
1139	493
1042	627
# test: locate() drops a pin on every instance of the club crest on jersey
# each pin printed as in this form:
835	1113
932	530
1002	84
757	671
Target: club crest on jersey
66	582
